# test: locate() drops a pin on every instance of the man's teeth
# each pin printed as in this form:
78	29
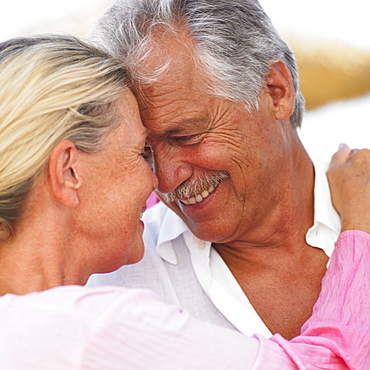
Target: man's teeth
199	197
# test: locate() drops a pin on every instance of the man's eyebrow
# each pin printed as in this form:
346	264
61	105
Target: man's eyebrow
179	129
173	131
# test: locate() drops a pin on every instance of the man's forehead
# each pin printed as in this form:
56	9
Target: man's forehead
169	54
171	39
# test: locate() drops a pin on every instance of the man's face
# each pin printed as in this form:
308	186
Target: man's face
221	162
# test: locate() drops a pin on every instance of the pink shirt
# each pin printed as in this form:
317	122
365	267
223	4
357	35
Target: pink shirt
152	200
114	328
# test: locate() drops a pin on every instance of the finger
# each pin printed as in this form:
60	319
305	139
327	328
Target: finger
361	156
341	156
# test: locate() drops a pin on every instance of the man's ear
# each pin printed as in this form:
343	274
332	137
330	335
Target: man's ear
63	176
280	88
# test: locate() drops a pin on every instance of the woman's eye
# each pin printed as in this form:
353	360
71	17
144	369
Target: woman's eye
147	154
144	156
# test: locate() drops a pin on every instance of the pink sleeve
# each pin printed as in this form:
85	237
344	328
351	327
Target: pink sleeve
337	336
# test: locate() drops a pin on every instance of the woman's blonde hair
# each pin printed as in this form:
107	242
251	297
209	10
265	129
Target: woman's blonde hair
52	88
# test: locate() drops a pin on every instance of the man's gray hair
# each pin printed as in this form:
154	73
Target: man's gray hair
236	42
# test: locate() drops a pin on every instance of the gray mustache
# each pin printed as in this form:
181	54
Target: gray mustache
195	186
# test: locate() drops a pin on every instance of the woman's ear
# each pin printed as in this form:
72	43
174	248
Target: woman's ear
280	88
63	175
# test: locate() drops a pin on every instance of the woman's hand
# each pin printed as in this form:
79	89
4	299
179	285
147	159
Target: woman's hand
349	180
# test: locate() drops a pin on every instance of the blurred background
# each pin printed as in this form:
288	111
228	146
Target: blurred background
331	40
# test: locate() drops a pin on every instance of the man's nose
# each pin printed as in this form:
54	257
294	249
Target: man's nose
171	168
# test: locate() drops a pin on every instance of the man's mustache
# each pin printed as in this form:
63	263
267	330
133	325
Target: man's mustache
194	186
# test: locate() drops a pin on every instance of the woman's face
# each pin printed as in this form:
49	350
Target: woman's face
117	182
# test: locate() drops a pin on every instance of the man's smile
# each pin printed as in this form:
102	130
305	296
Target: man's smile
200	197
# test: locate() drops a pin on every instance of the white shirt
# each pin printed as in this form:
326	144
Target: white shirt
189	272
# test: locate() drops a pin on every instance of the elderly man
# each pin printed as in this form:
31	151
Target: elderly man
246	227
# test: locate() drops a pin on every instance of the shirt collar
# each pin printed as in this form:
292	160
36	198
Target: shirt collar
327	223
172	227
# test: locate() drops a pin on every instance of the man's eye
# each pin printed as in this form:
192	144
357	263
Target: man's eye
184	138
187	139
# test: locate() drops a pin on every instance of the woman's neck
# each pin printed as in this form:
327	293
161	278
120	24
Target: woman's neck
37	260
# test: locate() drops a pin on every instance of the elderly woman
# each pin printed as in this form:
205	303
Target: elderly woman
74	179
